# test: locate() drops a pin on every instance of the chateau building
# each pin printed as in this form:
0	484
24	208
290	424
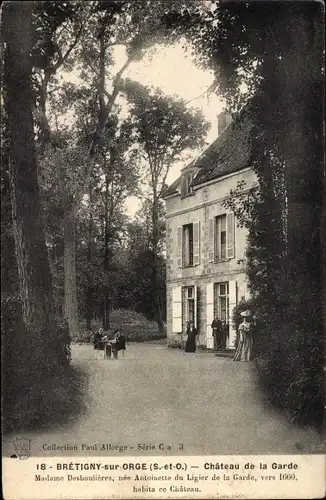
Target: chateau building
205	246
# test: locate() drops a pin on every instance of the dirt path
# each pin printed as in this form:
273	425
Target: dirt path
194	403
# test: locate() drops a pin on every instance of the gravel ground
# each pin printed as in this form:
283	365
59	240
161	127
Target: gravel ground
193	403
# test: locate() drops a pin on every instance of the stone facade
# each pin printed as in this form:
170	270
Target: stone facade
194	291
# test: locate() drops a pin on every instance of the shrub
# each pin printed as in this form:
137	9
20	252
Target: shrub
202	347
242	306
35	391
285	284
291	377
134	326
46	401
175	344
127	316
83	336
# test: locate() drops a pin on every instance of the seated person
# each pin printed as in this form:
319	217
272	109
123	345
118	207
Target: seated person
118	343
98	339
108	348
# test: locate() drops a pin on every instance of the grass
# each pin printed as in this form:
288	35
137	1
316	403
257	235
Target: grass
134	326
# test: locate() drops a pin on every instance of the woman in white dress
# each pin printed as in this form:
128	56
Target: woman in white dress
244	349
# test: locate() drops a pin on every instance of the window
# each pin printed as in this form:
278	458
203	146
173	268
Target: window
221	302
220	237
190	304
221	299
186	180
188	245
177	310
189	307
189	178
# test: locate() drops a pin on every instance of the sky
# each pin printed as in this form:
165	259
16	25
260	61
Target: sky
174	72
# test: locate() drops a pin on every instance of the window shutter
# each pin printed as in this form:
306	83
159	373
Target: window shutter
209	315
196	237
211	239
177	310
179	246
190	179
196	306
230	235
232	305
183	185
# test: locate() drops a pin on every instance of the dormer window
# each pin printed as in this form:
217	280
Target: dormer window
186	180
189	178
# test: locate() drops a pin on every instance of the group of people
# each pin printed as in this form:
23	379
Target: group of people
221	332
110	346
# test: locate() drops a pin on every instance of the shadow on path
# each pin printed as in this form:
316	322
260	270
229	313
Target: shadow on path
158	396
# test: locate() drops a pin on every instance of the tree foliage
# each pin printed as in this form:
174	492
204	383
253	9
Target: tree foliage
164	129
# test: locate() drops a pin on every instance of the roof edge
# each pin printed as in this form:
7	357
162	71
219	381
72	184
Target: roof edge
222	177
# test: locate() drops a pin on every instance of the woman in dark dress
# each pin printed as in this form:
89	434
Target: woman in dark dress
98	340
191	337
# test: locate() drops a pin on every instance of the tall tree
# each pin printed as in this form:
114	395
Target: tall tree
62	174
115	178
90	32
136	26
60	33
165	128
41	355
59	29
121	180
141	262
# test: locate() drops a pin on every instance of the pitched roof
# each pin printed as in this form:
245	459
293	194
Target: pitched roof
172	189
229	153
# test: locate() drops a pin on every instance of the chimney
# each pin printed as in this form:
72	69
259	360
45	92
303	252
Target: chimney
223	120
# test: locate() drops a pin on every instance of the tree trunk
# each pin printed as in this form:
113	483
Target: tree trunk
106	264
12	329
106	311
32	259
70	284
89	302
159	319
71	304
155	242
90	289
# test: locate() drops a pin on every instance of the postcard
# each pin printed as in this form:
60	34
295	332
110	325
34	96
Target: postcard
162	250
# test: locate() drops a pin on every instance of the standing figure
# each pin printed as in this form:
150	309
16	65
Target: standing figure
224	334
217	333
191	332
122	344
244	349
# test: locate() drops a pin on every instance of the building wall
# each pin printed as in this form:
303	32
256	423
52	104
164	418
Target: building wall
202	206
204	322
